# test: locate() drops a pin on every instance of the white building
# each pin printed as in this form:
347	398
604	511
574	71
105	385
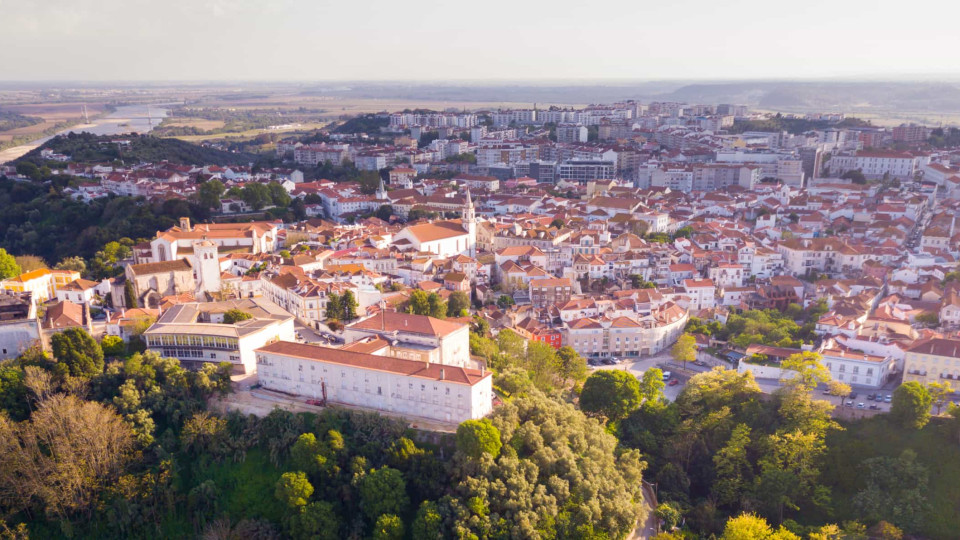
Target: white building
443	238
443	342
410	388
195	334
855	367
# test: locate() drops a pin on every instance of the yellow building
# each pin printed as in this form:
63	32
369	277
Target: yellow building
933	360
42	283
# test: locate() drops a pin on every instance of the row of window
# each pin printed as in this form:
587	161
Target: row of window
208	342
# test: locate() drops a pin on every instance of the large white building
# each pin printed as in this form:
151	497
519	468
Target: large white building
875	164
856	367
410	388
195	334
626	336
179	242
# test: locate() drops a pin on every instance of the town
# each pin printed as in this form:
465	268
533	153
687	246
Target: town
432	266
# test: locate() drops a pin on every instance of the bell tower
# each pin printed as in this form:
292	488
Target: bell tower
470	225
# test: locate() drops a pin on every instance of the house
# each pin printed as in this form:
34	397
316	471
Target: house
78	291
66	314
933	360
447	342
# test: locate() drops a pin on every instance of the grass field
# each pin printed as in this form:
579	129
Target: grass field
199	123
937	448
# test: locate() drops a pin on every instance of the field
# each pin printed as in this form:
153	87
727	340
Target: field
937	449
199	123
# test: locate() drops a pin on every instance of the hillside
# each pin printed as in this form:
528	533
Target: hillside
86	147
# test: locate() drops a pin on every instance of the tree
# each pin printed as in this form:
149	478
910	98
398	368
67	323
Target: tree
651	384
839	389
457	304
317	521
940	393
388	527
256	195
278	196
233	316
429	523
384	212
63	456
570	365
13	392
334	307
77	264
419	303
505	301
911	405
113	346
751	527
809	371
383	491
734	470
668	515
478	437
895	490
209	193
438	307
610	393
8	265
293	489
29	263
930	319
349	305
129	295
78	351
684	350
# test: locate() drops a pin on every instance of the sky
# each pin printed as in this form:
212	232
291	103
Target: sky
426	40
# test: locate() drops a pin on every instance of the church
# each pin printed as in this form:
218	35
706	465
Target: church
446	238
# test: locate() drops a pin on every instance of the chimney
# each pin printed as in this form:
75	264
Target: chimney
443	374
185	224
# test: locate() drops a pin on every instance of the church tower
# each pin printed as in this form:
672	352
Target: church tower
381	191
470	224
208	266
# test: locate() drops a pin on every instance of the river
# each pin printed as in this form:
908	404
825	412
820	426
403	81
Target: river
126	119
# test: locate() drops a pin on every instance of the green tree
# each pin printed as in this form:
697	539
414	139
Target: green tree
610	393
478	437
8	265
388	527
684	350
305	454
209	193
350	305
317	521
911	405
78	351
113	346
438	307
334	307
751	527
384	212
895	490
383	491
428	523
233	316
505	301
457	304
293	489
278	196
13	392
570	365
810	371
651	384
256	195
130	296
733	468
940	393
669	515
419	303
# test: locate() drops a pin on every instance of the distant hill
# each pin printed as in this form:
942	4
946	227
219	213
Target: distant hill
86	147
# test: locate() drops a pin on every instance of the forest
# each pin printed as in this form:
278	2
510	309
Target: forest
89	148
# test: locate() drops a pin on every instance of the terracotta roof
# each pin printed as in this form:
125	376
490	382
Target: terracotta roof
938	347
428	232
392	321
388	364
179	265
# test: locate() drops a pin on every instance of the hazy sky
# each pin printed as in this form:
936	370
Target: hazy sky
488	39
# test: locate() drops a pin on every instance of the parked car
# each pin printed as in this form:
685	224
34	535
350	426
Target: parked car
316	402
860	405
888	399
848	403
870	397
874	407
667	375
609	361
853	395
700	363
673	382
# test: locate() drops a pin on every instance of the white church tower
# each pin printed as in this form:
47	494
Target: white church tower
381	191
208	266
470	224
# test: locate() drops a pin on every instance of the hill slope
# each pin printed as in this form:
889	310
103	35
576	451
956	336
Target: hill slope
86	147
